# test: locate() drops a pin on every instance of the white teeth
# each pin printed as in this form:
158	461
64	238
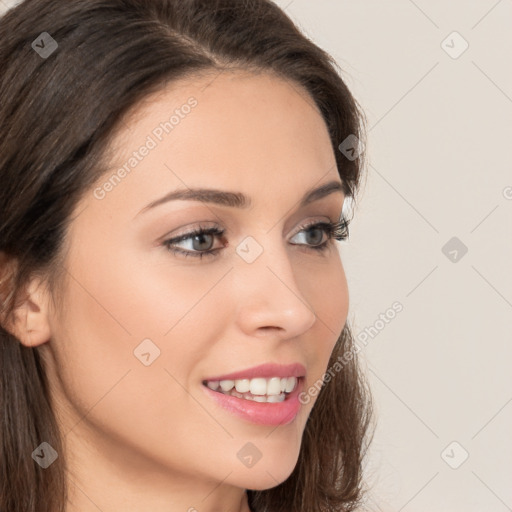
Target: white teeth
242	385
290	384
213	384
259	386
227	385
247	396
275	398
274	386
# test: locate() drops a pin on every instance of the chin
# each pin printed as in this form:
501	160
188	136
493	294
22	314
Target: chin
265	476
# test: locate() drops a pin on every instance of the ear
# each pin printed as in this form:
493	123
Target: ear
31	324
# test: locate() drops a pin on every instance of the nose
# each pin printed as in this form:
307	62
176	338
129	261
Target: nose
268	296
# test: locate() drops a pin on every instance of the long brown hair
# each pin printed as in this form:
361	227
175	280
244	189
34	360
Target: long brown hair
59	112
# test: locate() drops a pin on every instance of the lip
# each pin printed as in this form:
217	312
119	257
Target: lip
262	413
266	370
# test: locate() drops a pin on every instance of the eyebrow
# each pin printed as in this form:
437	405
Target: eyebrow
237	199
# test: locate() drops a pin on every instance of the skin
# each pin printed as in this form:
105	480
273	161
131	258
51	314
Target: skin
141	437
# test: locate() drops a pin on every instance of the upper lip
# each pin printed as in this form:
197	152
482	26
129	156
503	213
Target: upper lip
266	370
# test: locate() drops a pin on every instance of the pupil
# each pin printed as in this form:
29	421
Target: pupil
318	241
201	240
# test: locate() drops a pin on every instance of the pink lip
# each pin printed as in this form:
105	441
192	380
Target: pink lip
263	413
265	371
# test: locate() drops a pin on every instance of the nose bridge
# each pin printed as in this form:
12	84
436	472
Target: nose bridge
266	288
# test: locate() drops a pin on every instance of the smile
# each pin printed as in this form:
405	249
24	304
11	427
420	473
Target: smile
271	390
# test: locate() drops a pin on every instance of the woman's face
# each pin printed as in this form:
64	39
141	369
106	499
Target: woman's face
143	327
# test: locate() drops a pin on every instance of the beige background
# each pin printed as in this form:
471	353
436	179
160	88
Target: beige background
439	166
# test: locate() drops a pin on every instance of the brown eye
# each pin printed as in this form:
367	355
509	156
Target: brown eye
201	239
333	230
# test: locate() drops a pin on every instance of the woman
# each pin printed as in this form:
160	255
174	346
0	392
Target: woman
173	178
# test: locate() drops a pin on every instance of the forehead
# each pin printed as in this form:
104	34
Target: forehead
256	133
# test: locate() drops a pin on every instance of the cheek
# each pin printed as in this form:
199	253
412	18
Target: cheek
113	311
327	293
336	296
326	290
118	312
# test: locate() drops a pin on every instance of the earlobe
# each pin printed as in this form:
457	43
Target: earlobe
31	322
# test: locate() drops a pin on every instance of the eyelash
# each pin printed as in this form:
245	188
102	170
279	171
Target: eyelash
333	230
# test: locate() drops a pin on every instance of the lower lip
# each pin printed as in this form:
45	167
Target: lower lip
262	413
